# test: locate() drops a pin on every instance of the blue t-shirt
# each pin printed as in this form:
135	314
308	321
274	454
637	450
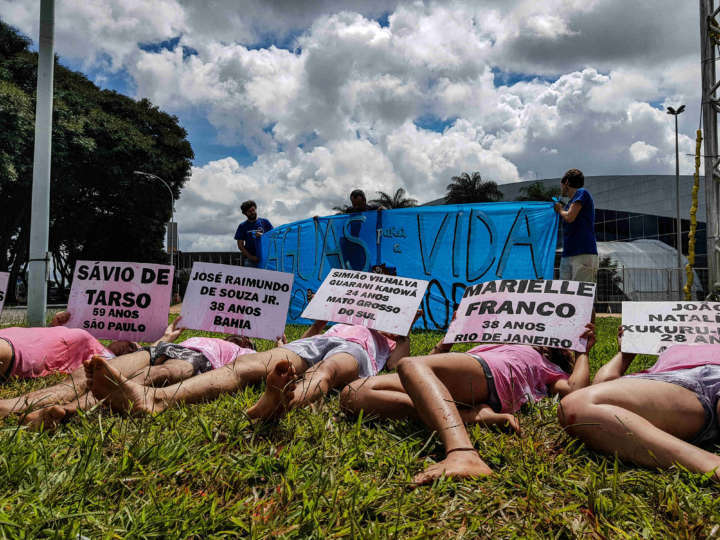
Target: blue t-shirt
579	236
246	232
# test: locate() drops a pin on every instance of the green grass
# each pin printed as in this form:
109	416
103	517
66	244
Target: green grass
206	471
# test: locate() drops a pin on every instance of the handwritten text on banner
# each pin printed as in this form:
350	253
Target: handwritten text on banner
237	300
550	313
376	301
651	327
115	300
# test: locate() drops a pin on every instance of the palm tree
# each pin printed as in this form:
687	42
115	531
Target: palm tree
397	200
538	192
470	188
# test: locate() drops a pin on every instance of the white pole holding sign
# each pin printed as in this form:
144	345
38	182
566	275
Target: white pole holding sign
114	300
550	313
652	327
237	300
377	301
4	278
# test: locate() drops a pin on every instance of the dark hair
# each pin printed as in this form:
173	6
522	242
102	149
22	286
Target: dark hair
562	358
241	342
247	205
121	347
574	178
384	269
357	193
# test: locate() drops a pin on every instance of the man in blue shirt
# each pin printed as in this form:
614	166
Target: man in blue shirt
579	260
249	232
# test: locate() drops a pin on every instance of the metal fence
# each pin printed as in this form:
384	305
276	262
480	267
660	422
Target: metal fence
619	284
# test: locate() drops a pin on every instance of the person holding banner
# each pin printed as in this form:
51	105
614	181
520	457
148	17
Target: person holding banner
655	418
579	260
489	382
332	360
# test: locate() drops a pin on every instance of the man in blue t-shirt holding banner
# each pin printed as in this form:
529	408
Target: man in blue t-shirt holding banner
579	260
249	232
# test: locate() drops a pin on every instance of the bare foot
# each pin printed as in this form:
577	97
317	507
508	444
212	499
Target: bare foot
455	465
279	388
122	394
47	419
502	420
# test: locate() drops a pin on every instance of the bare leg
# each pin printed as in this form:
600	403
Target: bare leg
128	396
169	372
49	418
335	371
279	387
640	420
381	395
435	383
70	388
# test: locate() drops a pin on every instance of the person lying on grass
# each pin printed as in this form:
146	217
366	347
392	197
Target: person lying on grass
161	363
38	352
296	373
487	385
656	418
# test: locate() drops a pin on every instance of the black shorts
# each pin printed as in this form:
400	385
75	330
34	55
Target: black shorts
197	360
493	399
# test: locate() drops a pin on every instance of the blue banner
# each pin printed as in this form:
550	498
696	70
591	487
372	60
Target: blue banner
451	246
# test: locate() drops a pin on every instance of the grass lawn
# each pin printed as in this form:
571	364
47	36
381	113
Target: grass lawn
205	471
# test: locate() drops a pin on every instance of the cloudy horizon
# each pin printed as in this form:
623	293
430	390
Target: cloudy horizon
294	104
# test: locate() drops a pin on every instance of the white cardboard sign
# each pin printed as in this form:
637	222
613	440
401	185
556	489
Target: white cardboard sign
237	300
651	327
550	313
116	300
4	278
378	301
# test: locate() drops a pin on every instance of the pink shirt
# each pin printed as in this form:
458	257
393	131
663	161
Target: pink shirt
377	346
520	373
218	351
42	351
685	357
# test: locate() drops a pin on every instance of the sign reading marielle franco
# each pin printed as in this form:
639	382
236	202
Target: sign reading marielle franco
652	327
550	313
237	300
114	300
4	277
378	301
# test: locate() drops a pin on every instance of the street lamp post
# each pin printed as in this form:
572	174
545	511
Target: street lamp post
151	176
678	225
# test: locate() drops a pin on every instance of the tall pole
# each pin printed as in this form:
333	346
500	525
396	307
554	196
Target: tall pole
678	219
151	176
39	262
709	114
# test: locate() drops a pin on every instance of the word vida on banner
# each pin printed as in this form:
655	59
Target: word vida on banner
450	246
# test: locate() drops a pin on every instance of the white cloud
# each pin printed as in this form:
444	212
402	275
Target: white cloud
516	90
641	151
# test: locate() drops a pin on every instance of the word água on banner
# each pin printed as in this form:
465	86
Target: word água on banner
652	327
237	300
115	300
4	278
550	313
378	301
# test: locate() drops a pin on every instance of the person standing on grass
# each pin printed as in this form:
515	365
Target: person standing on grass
486	385
579	260
249	232
655	418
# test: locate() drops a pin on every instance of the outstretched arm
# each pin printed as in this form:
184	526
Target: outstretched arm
580	377
617	366
172	332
